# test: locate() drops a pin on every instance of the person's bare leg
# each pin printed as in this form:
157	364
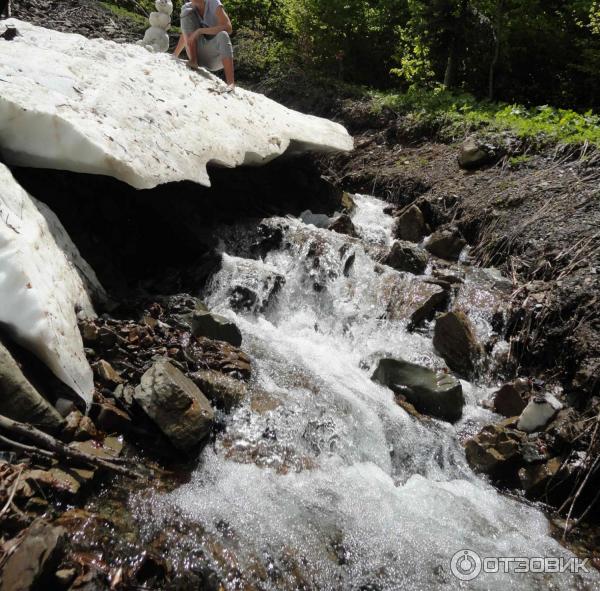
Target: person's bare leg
180	45
229	71
192	51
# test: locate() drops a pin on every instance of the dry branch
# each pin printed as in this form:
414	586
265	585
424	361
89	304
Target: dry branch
42	442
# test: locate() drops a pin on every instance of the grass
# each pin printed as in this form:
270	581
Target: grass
121	12
454	114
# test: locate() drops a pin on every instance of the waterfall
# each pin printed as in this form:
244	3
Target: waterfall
320	480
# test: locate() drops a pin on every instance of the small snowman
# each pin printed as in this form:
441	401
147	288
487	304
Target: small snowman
156	38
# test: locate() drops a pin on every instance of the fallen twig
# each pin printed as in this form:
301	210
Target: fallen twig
48	443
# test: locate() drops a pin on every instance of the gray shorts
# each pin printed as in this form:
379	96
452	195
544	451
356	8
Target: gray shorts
212	49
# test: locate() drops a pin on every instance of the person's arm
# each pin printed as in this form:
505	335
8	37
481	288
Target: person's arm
224	25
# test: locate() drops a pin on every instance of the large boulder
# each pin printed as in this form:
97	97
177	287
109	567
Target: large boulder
446	244
175	404
432	393
454	339
44	282
212	326
58	110
410	225
20	401
407	257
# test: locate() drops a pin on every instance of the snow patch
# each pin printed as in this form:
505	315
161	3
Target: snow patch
94	106
44	284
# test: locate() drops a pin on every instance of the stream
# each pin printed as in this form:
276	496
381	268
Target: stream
320	480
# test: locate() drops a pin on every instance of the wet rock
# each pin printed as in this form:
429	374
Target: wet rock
410	225
107	373
474	154
222	357
213	326
110	418
446	244
222	390
64	577
411	299
79	428
270	237
454	339
538	413
496	450
343	225
405	256
436	301
55	480
535	478
20	401
511	399
34	559
347	204
107	449
175	404
432	393
124	395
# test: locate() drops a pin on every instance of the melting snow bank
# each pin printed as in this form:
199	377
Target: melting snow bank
94	106
44	284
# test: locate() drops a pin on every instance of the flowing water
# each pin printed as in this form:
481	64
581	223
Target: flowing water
320	480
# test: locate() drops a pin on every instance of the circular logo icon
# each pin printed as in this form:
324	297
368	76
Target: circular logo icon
466	565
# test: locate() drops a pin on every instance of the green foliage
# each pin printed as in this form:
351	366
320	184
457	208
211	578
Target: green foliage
455	114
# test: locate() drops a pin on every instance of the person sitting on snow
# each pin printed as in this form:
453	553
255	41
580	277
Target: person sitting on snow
205	30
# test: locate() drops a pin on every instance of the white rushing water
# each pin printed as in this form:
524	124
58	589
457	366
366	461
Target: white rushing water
320	477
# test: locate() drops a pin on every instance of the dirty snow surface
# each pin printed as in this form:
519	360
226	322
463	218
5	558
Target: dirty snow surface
94	106
44	284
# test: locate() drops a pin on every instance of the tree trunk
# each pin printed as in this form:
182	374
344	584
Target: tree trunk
497	32
450	73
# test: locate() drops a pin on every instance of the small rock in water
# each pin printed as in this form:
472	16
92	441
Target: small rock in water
224	391
410	225
446	244
538	413
534	479
343	225
511	399
213	326
316	219
437	394
405	256
454	339
175	404
496	450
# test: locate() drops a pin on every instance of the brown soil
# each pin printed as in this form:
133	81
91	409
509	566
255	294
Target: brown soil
86	17
538	221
